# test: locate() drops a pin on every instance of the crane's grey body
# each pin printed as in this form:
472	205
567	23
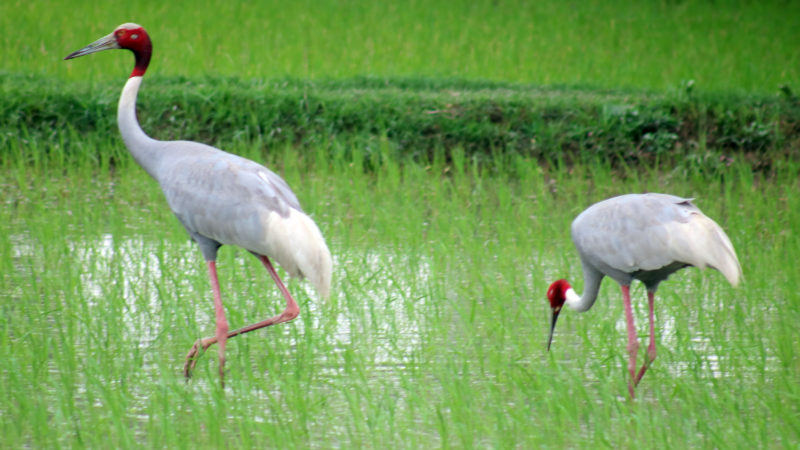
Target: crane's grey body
221	198
647	237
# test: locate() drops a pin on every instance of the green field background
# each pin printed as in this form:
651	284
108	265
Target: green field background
721	45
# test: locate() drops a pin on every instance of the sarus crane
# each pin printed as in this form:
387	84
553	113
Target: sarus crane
221	199
644	237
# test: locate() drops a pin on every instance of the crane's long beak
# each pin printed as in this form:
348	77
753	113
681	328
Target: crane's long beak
556	311
104	43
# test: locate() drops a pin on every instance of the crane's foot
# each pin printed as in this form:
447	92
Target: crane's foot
222	372
197	350
633	349
641	373
651	356
194	354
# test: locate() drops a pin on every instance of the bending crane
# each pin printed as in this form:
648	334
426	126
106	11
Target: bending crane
646	237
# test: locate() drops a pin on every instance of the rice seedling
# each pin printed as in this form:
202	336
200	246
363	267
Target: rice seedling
435	335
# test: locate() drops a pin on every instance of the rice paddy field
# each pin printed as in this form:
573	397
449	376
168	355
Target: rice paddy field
435	334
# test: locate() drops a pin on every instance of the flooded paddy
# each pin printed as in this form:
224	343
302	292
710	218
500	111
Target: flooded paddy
434	334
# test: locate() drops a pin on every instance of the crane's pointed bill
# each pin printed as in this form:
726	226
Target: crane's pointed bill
104	43
556	311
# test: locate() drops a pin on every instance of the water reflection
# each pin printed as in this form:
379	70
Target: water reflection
380	295
132	268
378	312
143	271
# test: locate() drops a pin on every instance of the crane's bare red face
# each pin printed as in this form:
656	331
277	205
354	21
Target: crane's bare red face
128	36
557	293
133	37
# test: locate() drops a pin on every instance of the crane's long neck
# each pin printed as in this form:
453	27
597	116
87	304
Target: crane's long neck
145	150
591	286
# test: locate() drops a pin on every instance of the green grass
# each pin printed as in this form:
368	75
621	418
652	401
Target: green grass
415	117
435	333
723	46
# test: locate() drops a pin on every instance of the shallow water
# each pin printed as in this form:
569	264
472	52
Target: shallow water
421	333
131	265
391	305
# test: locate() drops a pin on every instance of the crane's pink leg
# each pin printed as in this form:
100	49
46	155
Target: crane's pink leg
633	341
651	349
221	334
291	311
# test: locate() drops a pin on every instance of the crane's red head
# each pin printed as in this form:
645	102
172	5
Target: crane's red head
128	36
557	294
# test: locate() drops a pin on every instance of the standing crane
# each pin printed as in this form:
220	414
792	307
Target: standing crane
220	199
645	237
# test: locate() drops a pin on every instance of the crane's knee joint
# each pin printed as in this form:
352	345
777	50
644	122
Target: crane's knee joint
290	313
222	328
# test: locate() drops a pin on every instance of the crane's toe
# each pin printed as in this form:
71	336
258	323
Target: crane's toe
194	354
222	371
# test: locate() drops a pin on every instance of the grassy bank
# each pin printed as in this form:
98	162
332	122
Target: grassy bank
435	334
414	118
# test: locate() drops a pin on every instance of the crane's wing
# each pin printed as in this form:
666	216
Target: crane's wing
222	196
647	232
223	199
702	243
